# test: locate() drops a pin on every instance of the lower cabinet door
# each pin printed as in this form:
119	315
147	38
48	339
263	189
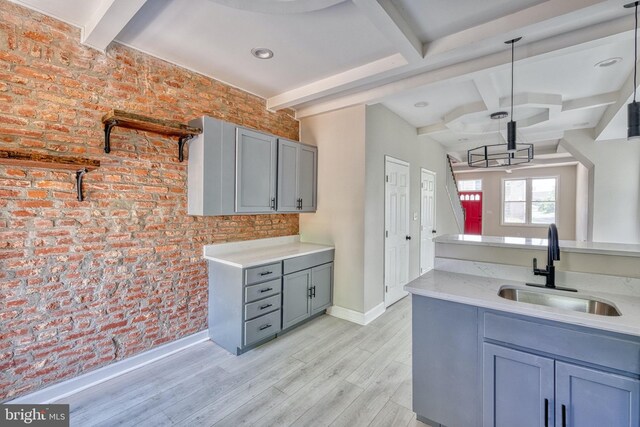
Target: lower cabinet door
296	289
590	398
321	280
518	388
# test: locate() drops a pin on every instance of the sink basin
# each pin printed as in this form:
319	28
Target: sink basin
552	299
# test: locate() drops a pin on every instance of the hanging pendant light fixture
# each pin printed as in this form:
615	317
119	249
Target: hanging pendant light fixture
511	126
633	109
498	155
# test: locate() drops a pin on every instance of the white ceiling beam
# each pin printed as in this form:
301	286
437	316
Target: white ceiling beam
615	109
386	18
592	36
590	102
107	22
488	91
338	82
431	129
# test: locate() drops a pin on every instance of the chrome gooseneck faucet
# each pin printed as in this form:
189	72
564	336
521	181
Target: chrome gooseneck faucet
553	254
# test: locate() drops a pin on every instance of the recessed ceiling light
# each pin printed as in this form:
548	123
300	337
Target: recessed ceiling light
262	53
608	62
421	104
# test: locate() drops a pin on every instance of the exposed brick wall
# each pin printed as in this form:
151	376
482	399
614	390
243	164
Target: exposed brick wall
83	284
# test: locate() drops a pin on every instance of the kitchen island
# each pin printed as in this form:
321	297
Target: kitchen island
480	359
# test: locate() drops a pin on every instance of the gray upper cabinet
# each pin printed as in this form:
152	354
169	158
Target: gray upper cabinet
287	176
237	170
297	177
255	171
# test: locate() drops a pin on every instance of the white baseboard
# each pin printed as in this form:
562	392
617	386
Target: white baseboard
356	316
73	385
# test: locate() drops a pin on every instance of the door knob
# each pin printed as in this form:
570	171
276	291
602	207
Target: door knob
407	237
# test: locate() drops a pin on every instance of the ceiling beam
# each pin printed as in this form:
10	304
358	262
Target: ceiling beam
107	22
338	82
608	126
588	37
386	18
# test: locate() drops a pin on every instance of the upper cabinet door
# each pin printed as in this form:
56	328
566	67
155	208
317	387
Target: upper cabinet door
307	176
288	176
591	398
255	171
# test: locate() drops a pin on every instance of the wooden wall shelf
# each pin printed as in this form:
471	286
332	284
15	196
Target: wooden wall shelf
80	165
149	124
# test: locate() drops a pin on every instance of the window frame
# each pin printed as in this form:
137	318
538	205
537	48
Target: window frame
477	179
528	201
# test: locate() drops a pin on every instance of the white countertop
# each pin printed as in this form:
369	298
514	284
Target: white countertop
617	249
250	253
483	292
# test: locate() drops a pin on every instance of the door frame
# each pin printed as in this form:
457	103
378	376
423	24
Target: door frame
435	211
392	159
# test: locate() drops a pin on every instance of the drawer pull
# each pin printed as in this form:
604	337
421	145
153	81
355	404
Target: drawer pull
266	273
265	290
546	413
262	307
263	327
564	416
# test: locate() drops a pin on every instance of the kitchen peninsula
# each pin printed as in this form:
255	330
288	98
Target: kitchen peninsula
517	363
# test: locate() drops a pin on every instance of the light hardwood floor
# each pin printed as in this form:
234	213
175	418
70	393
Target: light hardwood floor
326	372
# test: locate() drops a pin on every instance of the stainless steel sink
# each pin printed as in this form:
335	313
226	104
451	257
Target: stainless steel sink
553	299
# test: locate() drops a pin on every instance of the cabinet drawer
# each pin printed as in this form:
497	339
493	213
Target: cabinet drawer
263	290
307	261
262	273
610	350
261	307
261	327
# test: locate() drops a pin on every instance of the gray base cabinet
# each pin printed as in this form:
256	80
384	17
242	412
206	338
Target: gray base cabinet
252	305
306	293
478	367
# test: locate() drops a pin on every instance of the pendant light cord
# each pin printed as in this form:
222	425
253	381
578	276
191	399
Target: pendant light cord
513	47
635	56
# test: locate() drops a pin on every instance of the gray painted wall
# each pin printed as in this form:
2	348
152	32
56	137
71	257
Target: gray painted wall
388	134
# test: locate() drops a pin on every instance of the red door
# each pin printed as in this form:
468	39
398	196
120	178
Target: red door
472	204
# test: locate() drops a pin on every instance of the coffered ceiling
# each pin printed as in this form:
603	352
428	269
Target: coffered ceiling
329	54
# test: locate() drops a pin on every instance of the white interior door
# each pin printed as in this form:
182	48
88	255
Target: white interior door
396	222
427	220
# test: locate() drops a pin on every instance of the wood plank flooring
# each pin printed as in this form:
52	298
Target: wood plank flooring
328	372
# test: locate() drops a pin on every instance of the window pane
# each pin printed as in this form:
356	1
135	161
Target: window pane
543	212
543	190
470	185
515	190
515	212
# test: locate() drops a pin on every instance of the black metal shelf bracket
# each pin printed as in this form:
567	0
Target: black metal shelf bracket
181	142
107	134
79	176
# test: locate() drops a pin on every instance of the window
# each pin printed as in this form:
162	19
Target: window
529	201
470	185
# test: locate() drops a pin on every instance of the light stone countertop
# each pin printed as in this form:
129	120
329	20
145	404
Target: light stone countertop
616	249
250	253
483	292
